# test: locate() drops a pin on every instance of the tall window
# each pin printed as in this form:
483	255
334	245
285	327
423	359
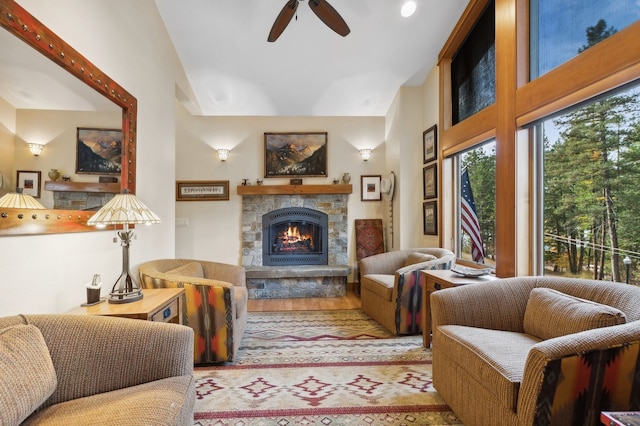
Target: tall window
558	28
476	201
473	69
592	189
580	49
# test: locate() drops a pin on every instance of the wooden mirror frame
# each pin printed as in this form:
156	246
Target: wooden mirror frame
27	28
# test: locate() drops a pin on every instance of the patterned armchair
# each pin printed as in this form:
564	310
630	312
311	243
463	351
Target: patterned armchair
392	286
215	302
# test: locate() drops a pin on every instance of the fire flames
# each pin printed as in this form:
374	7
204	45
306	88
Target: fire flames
291	240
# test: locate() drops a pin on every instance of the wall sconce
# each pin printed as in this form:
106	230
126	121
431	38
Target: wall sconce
223	154
365	154
35	148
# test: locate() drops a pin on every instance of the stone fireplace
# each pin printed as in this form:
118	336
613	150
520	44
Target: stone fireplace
254	207
295	245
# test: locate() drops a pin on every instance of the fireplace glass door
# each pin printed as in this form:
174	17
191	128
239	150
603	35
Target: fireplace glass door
294	236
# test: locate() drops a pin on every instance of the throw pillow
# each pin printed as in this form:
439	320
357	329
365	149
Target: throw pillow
416	257
550	313
28	377
191	269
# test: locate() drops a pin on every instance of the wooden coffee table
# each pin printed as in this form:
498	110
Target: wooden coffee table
438	280
158	304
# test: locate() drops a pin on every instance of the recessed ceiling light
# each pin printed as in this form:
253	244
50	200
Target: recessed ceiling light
408	8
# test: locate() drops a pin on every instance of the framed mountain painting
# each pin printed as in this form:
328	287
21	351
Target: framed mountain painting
295	154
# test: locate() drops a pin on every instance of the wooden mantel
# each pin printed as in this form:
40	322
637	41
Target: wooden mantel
294	189
68	186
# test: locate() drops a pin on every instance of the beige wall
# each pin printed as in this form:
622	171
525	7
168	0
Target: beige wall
214	226
414	110
7	146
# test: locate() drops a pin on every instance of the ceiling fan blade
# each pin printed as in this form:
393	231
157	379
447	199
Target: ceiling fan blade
283	19
329	16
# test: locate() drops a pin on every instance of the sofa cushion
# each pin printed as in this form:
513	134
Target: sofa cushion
191	269
550	313
161	402
494	359
379	284
28	377
417	257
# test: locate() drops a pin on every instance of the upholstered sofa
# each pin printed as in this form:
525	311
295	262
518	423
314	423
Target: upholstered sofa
215	302
537	350
392	286
88	370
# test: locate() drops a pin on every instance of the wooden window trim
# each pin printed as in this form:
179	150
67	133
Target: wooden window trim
606	66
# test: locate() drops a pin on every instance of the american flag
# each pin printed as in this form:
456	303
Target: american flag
470	223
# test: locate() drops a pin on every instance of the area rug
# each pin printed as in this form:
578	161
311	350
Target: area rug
321	368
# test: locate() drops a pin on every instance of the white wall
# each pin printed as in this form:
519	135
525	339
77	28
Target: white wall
214	230
127	41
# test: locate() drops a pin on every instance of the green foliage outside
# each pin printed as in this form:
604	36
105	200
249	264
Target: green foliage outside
592	186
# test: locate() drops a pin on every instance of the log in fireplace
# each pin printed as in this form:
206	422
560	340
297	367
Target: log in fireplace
295	236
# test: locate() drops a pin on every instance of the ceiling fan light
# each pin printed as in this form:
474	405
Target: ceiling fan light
408	8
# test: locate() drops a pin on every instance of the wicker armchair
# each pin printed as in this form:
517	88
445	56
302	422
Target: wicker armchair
215	302
537	350
392	286
90	370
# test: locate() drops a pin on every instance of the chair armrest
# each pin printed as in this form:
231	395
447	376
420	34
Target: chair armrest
496	305
607	342
96	354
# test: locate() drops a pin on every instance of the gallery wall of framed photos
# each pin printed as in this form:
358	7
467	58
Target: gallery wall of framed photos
430	180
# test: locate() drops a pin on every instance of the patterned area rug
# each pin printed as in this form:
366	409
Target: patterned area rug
321	368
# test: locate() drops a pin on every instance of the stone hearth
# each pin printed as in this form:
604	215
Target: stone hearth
288	282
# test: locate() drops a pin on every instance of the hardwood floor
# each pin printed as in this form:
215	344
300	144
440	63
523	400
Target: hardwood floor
349	301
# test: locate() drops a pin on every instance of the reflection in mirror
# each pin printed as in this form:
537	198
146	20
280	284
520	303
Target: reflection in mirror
44	103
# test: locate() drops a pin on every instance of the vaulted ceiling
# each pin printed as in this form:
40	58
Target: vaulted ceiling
310	70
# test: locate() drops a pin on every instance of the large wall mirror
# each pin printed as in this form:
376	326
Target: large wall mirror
48	91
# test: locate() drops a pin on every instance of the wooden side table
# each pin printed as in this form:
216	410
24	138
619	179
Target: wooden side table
158	304
438	280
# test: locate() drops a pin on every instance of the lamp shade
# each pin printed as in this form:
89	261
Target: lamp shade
123	209
18	200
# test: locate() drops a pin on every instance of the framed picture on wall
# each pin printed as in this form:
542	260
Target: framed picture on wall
99	151
430	181
430	144
430	217
295	154
202	190
29	181
370	188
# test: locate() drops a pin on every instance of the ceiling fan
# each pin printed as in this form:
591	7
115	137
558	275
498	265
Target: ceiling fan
321	8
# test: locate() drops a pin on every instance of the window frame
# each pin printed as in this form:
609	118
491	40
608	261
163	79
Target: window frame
519	104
